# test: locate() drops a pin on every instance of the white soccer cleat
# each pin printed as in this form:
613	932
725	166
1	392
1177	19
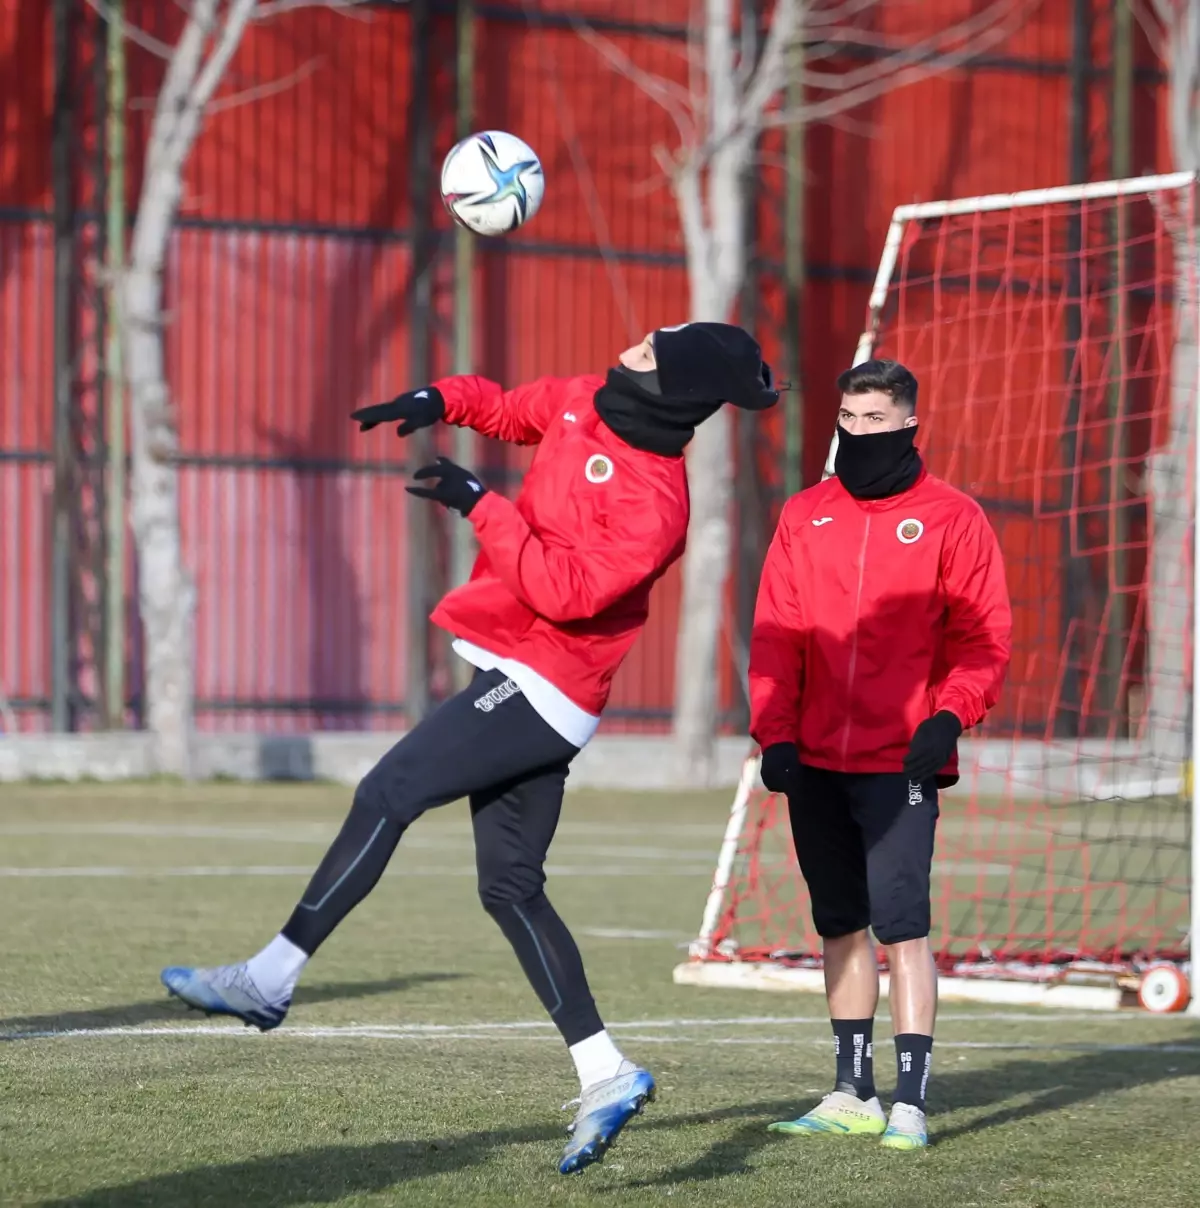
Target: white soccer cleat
839	1114
906	1129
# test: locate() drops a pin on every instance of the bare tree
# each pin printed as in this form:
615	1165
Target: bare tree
1173	27
196	66
737	75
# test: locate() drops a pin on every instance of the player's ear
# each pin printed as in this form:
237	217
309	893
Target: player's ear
911	421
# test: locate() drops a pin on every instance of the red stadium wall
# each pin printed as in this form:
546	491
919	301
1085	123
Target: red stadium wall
288	301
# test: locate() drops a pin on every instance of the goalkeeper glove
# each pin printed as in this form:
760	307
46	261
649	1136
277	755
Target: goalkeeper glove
780	767
416	409
456	488
932	746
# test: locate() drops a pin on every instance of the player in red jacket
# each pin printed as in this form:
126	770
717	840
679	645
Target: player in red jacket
559	592
882	631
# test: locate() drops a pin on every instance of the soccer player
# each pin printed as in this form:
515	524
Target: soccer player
882	631
558	595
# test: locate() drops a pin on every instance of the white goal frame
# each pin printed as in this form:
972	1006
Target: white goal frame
1059	992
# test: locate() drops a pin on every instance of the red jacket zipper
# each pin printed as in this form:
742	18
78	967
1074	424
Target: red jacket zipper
862	570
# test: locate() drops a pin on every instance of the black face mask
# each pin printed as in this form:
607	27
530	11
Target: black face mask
878	464
632	404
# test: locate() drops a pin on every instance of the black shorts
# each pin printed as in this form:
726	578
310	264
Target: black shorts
865	846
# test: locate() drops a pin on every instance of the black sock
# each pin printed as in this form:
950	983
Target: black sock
854	1050
551	960
914	1056
349	872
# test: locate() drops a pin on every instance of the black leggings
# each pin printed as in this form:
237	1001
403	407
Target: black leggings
489	745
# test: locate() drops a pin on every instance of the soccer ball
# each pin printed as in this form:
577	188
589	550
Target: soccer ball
492	182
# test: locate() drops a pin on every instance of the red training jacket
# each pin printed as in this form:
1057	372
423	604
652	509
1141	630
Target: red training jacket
873	615
562	582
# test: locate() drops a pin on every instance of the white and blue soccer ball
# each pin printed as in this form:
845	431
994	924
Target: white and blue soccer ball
492	182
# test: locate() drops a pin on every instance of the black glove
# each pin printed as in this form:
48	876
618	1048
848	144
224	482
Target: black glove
417	409
780	768
932	746
457	488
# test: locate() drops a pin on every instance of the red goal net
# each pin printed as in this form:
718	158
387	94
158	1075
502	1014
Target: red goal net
1054	336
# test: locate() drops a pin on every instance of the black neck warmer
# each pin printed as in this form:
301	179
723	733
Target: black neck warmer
878	464
634	407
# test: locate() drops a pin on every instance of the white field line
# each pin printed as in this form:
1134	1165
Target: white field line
571	843
322	836
150	871
544	1029
322	832
632	933
639	868
985	829
626	1033
436	831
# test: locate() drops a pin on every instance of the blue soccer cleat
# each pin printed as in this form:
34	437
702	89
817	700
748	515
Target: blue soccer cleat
605	1109
225	990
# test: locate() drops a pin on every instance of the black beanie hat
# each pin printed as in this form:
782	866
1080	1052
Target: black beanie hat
713	362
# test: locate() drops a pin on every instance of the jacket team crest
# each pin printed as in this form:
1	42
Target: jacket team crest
598	469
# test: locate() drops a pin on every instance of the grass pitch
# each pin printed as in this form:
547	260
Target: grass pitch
416	1066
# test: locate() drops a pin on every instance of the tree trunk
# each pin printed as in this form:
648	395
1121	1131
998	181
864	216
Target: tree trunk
166	594
165	591
1170	475
716	267
705	570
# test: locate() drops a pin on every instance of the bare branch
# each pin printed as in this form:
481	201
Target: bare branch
1173	29
651	184
237	17
689	195
907	64
665	160
722	115
747	52
259	92
830	22
666	93
697	85
266	9
772	72
1148	15
725	102
180	76
130	32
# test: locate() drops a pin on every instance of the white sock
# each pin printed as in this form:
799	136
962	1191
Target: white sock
596	1059
276	969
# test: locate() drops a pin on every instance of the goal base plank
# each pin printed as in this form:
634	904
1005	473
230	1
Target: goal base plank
746	975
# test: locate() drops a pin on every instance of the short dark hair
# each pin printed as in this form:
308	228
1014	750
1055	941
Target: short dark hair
884	377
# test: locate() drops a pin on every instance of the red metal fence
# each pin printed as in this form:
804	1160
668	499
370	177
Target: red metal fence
288	285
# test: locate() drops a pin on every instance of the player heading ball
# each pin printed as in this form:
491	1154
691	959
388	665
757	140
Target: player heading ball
558	595
882	631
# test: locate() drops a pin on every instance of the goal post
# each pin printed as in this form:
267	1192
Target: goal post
1056	339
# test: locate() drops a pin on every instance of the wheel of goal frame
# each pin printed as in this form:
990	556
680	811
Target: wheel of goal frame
1164	989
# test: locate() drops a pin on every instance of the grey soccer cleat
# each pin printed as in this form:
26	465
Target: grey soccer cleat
225	990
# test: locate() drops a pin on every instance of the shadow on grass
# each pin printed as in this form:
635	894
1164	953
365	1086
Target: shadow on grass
1054	1085
171	1010
327	1173
1050	1085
